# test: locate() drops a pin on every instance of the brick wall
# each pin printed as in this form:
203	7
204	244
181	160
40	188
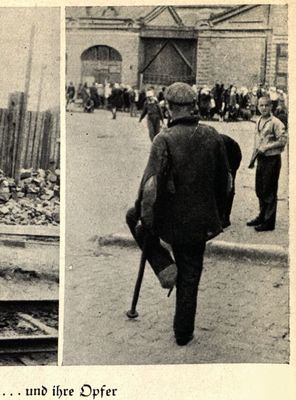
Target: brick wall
203	60
126	43
231	53
242	57
278	35
279	19
233	60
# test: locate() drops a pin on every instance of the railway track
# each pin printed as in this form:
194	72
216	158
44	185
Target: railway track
23	239
30	327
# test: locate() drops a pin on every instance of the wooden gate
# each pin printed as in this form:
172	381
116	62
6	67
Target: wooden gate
169	60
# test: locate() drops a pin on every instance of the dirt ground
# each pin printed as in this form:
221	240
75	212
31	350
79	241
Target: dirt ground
242	317
23	286
29	273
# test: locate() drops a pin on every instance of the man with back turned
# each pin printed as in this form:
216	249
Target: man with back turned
181	200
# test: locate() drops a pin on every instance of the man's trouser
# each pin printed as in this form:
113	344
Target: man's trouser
153	122
158	257
189	261
267	176
133	109
113	110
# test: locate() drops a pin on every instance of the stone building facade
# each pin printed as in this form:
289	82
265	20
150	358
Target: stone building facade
241	45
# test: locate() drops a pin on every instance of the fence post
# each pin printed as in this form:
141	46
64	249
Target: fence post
24	108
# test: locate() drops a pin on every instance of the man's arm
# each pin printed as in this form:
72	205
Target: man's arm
280	136
223	178
144	112
255	147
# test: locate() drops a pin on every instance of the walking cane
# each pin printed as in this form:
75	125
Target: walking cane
132	313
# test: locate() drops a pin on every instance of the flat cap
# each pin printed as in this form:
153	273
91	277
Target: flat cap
180	93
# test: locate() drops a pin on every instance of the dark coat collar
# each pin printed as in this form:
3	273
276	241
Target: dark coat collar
190	120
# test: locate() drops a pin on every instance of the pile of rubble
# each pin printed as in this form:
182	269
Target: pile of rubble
35	200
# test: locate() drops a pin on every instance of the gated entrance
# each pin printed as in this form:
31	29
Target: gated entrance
100	64
168	60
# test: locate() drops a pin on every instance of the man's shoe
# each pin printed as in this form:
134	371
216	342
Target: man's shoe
254	222
263	228
183	340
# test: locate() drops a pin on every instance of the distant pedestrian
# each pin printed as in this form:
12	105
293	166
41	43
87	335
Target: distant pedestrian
107	93
260	90
160	96
133	101
93	90
154	114
100	88
281	113
204	102
116	100
270	141
218	92
89	106
244	104
274	97
233	104
84	93
70	94
126	99
254	101
142	99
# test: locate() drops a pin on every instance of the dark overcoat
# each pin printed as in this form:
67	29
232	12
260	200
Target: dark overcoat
185	184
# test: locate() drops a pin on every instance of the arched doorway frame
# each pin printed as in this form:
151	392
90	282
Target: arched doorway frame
101	63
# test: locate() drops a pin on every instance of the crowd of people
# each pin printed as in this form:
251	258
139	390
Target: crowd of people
228	104
112	96
237	103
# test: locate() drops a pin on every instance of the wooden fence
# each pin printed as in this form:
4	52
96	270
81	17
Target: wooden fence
37	145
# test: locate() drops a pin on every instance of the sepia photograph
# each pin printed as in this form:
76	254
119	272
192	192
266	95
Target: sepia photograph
176	185
29	185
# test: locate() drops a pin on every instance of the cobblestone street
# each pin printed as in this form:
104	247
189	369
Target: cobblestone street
242	313
242	307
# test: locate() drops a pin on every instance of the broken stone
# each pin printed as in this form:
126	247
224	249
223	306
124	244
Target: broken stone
52	177
4	210
25	173
4	197
34	201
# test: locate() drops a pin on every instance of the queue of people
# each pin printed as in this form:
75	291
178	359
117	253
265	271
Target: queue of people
111	96
226	104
